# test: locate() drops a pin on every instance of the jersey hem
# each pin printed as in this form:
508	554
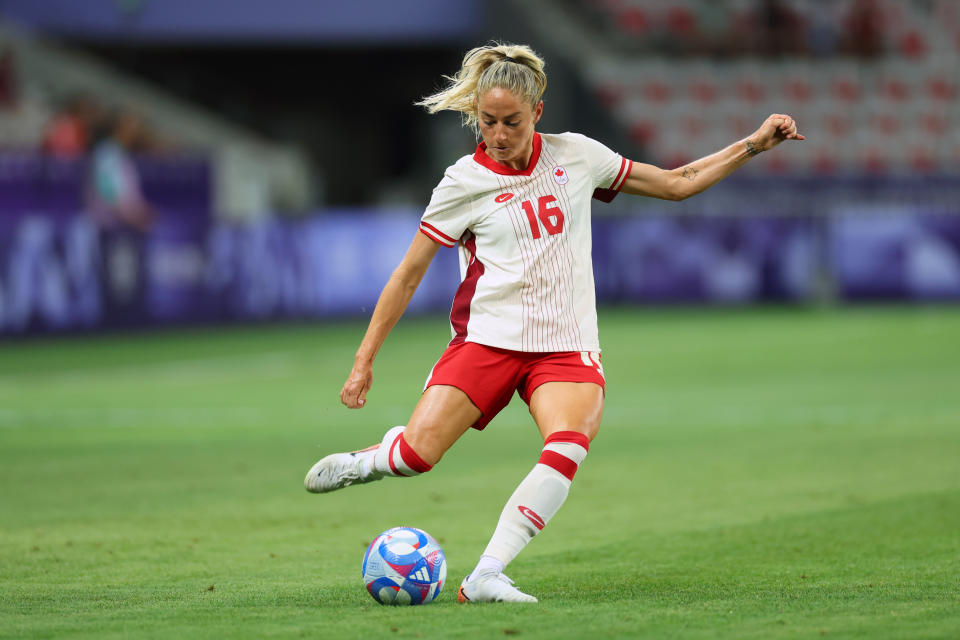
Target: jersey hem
514	348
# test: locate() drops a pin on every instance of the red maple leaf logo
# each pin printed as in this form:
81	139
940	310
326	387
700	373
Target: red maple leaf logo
559	172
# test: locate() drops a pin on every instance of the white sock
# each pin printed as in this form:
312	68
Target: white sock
366	466
537	499
487	563
394	457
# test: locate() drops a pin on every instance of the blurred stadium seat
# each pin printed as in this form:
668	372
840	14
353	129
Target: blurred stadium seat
903	94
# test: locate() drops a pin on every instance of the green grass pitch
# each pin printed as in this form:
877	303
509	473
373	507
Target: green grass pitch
760	473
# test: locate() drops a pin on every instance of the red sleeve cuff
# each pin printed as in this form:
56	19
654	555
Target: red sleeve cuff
436	235
608	194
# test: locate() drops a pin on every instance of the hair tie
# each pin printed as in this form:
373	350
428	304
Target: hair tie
509	59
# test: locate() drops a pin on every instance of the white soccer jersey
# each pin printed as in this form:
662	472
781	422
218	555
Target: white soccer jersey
525	243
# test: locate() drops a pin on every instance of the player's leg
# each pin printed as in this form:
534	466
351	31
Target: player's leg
442	415
467	387
568	415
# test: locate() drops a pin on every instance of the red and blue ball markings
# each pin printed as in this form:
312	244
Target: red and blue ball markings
404	565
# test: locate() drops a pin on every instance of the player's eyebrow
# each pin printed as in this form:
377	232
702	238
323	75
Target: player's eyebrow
493	117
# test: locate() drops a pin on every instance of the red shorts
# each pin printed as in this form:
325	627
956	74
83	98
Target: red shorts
489	375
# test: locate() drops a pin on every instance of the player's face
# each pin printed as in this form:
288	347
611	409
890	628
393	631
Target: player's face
506	125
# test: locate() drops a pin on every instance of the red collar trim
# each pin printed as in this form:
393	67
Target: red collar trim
481	156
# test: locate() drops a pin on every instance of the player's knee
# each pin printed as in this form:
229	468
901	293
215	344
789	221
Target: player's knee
413	458
397	456
425	448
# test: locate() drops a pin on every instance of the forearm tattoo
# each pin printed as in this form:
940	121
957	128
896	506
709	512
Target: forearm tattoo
752	149
689	173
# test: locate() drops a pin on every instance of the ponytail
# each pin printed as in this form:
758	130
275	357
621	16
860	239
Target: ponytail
516	68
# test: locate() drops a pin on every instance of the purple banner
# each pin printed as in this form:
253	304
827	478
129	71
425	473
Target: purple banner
333	264
64	269
685	259
889	254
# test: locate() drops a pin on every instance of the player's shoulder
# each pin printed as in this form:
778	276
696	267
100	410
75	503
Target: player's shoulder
455	174
571	147
560	139
465	168
570	143
469	175
567	138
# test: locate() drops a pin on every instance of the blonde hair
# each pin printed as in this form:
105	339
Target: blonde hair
514	67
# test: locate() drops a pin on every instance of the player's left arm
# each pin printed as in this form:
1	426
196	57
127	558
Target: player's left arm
700	175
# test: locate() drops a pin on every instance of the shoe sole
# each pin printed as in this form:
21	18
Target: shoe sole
463	599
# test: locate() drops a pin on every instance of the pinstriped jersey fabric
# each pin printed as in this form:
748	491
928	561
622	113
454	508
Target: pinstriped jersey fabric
525	243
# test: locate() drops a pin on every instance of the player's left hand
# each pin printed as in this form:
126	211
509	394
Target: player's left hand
774	130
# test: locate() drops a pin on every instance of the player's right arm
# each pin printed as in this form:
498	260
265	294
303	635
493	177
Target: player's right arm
391	305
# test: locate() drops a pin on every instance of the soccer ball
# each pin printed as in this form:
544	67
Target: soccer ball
404	565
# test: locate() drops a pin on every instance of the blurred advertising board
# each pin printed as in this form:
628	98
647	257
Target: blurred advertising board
716	259
66	267
891	252
61	269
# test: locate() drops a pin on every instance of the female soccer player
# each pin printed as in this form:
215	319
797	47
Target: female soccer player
524	317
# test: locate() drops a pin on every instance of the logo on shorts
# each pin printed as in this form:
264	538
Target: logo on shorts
503	197
532	516
592	359
560	175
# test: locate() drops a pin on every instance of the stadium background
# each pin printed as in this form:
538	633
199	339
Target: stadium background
281	155
783	357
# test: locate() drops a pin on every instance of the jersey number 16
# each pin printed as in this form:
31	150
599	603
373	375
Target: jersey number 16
549	213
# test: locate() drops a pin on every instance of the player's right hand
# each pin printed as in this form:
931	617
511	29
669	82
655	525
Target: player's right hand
354	392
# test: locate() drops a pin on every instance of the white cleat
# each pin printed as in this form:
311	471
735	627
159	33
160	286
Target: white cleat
490	586
339	470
